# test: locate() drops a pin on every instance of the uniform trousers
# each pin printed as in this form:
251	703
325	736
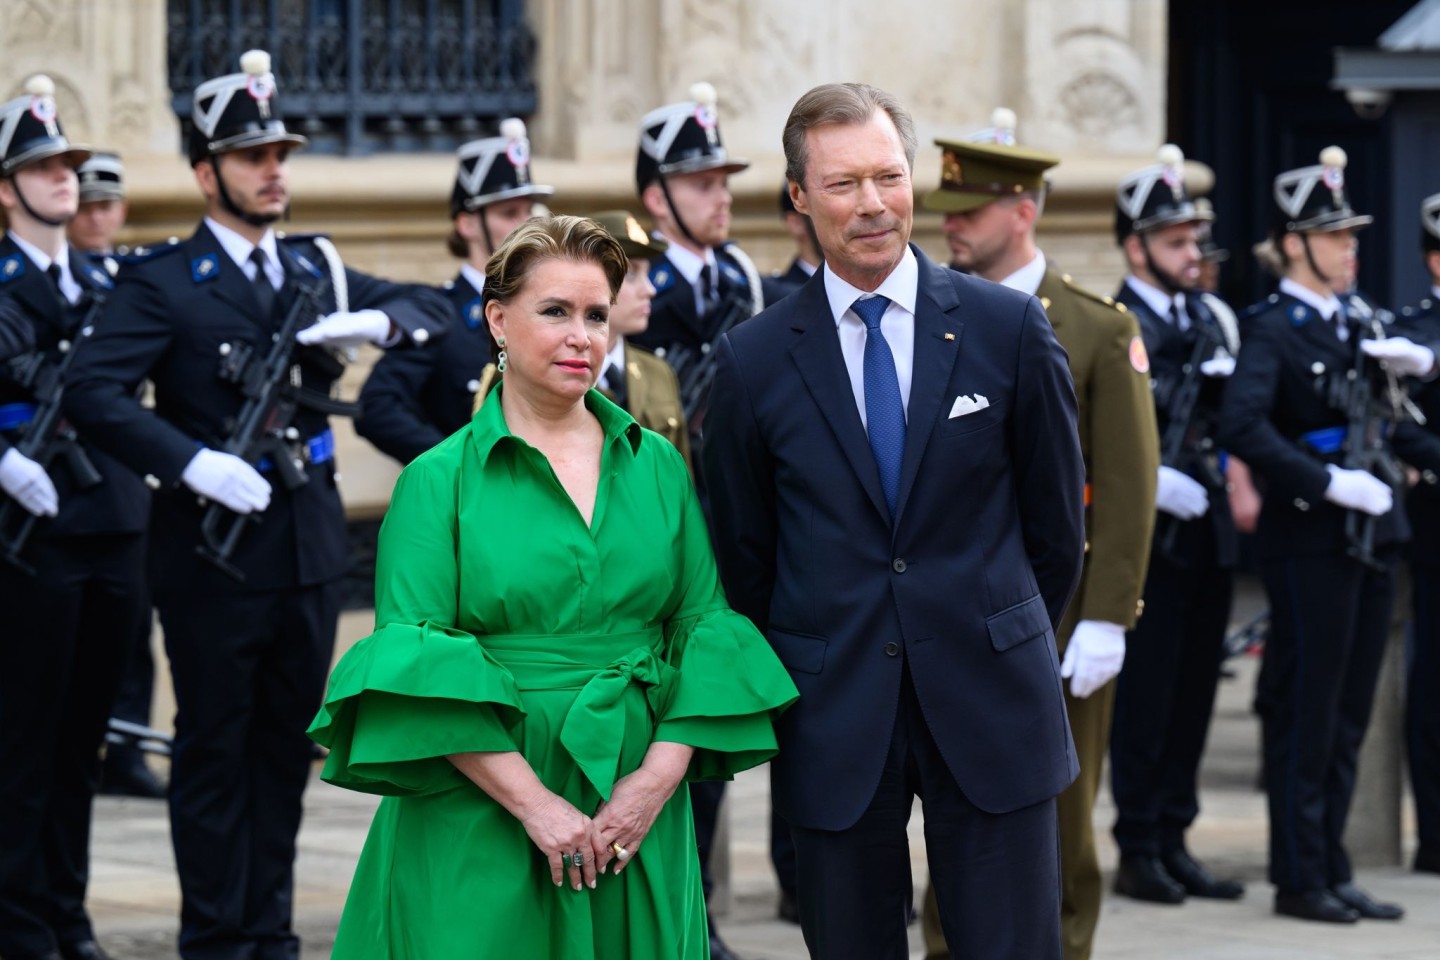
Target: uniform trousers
995	876
249	671
1422	711
1164	699
67	630
1330	616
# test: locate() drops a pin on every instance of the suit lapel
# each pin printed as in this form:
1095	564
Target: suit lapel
33	288
936	309
821	363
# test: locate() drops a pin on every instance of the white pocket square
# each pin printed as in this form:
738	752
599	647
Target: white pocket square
966	404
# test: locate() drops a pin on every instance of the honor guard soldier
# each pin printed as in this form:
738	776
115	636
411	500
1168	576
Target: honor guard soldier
413	399
1164	699
1310	410
704	285
1422	701
807	252
71	549
249	628
639	382
102	207
94	229
992	192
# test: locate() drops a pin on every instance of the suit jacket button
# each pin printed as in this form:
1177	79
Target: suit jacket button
1301	505
892	649
898	565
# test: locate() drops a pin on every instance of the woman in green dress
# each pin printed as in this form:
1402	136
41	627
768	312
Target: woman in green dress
552	657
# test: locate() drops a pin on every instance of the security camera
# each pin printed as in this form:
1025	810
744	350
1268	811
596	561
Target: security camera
1368	103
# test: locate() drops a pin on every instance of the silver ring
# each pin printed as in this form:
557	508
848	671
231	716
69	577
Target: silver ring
578	859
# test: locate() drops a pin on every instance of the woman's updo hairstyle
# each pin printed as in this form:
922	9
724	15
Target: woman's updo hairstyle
552	238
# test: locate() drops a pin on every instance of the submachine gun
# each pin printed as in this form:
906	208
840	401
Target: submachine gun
264	430
1187	447
1371	408
49	436
695	367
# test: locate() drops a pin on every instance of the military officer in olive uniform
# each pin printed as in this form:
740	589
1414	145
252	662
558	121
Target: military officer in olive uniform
413	399
71	594
638	381
1165	697
249	653
992	193
1329	532
1422	700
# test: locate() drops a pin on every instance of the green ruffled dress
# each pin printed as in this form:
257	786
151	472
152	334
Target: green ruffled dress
502	622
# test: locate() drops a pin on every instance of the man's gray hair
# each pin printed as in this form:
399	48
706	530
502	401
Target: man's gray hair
841	103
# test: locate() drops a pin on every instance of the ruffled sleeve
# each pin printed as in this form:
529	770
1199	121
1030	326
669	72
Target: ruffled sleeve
729	685
417	689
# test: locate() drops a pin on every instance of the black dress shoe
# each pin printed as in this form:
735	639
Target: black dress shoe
130	777
1145	878
1197	881
1367	906
718	949
83	950
1321	905
788	911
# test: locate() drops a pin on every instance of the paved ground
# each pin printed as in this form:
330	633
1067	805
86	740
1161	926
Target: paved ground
134	897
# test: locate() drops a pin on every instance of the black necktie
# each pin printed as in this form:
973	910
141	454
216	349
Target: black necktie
53	272
709	291
264	292
1179	315
615	383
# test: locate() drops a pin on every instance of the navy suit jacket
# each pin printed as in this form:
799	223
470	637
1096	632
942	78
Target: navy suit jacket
968	580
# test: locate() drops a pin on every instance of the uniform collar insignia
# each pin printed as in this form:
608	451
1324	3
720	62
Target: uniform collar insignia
475	313
205	268
11	267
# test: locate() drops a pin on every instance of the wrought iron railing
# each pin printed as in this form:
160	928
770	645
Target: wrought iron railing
360	76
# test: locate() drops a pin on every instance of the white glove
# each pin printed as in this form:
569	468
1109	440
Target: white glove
228	480
1094	656
1400	355
28	483
1180	496
347	329
1359	490
1218	367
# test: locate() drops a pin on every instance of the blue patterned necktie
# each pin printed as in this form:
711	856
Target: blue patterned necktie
884	410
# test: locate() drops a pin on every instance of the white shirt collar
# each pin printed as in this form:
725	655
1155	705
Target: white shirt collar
900	287
1326	306
239	250
690	264
472	276
1156	299
1027	278
808	267
69	286
615	358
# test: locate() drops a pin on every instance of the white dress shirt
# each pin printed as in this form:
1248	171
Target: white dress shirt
240	249
689	265
1327	307
898	325
1167	308
69	286
1028	278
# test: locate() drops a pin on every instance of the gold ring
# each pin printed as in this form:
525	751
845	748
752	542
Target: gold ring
620	852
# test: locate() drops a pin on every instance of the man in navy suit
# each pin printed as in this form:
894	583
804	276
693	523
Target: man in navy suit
900	508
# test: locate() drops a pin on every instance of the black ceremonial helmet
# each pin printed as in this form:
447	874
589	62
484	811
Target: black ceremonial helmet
1312	200
1430	223
1153	198
102	177
682	138
30	132
492	170
236	112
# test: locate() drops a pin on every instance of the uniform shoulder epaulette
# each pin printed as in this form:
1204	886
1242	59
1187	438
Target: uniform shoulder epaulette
1259	307
1090	295
286	237
139	255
